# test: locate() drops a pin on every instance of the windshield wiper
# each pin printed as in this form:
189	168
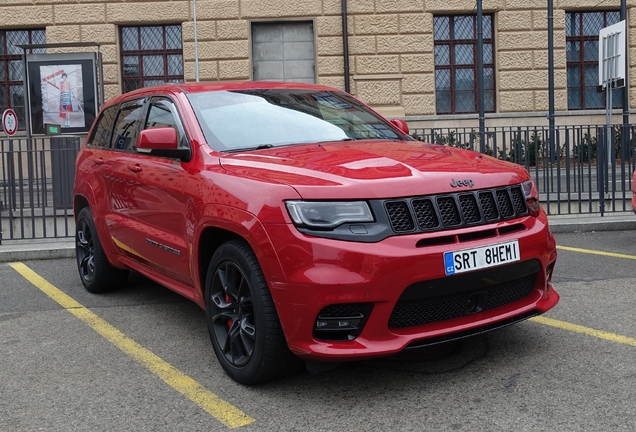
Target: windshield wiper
242	149
336	140
267	146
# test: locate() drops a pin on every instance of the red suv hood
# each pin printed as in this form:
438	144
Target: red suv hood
373	169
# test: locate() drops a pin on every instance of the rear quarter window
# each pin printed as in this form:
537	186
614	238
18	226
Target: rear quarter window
104	129
127	126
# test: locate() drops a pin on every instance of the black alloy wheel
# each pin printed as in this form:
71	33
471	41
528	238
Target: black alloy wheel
244	327
233	314
96	273
85	251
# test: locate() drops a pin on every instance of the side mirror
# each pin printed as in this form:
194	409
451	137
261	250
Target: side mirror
401	125
162	141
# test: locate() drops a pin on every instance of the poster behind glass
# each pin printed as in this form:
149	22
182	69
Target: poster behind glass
63	95
62	91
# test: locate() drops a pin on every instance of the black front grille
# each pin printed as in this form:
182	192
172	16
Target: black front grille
488	206
400	216
418	311
470	209
455	210
449	211
425	213
505	204
518	200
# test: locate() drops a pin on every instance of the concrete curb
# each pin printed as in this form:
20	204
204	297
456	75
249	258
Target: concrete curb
585	223
63	248
40	249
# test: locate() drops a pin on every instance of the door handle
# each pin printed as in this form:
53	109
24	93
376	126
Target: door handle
135	168
98	161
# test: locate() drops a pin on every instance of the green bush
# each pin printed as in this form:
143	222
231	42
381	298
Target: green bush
524	152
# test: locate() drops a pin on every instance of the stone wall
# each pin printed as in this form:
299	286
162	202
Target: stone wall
390	42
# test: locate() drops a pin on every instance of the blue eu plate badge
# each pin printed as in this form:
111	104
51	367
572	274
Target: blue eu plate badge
448	263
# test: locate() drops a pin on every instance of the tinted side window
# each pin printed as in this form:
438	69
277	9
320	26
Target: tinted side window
163	113
104	129
127	126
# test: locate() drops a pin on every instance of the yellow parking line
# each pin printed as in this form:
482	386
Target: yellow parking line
228	414
595	252
585	330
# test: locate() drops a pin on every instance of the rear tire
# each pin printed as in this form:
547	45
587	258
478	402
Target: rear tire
244	327
97	274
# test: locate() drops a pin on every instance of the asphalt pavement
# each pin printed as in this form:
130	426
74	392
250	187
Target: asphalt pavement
38	249
76	361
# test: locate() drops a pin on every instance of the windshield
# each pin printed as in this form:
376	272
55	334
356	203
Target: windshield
249	119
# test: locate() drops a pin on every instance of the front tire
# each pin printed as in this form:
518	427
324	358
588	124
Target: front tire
97	274
244	327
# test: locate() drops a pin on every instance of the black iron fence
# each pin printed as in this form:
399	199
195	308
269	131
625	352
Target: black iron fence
36	185
578	170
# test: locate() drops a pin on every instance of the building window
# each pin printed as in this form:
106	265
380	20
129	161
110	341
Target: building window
12	68
284	52
581	38
456	76
151	55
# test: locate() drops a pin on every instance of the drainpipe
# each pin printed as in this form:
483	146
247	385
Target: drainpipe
552	155
480	73
196	42
625	133
345	46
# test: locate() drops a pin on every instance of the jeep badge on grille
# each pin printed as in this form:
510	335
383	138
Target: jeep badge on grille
458	183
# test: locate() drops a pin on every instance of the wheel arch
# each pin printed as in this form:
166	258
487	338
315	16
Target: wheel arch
83	198
210	239
79	202
212	236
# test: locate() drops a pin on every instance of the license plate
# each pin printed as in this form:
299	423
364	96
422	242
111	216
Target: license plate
482	257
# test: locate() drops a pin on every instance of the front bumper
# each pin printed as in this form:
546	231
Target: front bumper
322	272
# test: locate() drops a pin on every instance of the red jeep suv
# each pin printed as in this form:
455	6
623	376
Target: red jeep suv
306	225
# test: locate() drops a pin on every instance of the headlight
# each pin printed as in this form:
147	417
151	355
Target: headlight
531	194
530	190
319	214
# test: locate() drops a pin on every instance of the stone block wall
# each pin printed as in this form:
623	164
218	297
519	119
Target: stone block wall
390	42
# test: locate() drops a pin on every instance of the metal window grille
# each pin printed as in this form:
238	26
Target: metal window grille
12	68
581	38
456	80
151	55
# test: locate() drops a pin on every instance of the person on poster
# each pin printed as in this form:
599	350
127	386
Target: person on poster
66	107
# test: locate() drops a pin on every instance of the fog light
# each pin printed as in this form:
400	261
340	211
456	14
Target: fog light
342	322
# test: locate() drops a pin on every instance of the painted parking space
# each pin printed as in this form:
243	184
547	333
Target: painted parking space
596	252
585	330
575	328
596	279
221	410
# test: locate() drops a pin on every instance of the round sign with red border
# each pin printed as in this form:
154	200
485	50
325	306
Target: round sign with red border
9	122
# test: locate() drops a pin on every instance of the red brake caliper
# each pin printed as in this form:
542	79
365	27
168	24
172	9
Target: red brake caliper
229	322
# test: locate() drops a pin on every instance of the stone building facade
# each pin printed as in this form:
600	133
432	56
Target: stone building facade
391	43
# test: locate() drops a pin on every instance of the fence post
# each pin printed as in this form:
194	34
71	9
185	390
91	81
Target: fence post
11	177
601	167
